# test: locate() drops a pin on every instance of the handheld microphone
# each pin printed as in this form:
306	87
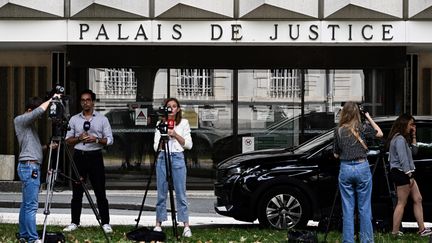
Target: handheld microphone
86	127
171	123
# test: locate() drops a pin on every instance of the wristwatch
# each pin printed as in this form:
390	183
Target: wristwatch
97	140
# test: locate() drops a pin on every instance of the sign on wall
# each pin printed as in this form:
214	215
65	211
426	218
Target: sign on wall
141	116
248	144
148	32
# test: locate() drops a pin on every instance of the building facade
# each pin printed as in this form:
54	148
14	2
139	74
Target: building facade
244	70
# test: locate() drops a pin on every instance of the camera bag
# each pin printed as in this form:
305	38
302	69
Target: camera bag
146	235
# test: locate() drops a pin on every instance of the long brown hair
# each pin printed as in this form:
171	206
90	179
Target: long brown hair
179	112
350	118
400	127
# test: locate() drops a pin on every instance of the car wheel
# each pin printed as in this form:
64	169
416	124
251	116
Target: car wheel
284	208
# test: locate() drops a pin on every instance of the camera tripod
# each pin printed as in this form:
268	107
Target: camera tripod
52	173
379	161
163	143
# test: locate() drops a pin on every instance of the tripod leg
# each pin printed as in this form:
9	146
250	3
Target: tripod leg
392	194
331	213
50	181
86	191
153	166
168	168
48	193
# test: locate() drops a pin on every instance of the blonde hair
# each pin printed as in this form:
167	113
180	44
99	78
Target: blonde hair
350	118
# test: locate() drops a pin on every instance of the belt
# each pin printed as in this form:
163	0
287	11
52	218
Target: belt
29	162
82	152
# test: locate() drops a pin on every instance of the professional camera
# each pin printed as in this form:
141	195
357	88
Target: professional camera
164	111
58	110
363	111
164	123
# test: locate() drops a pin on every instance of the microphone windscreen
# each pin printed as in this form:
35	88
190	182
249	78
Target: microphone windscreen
171	123
86	126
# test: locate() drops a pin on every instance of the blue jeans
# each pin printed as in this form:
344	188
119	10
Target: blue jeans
179	182
29	205
355	183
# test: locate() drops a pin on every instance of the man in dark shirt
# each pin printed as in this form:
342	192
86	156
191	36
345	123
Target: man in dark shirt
30	159
89	132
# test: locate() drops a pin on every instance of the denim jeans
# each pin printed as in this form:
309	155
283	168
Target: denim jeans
355	184
29	205
179	182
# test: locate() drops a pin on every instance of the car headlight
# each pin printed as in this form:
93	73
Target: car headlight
234	171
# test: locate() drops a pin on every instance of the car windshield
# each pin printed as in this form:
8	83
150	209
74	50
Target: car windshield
315	142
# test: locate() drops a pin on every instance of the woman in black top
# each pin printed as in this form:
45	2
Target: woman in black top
355	179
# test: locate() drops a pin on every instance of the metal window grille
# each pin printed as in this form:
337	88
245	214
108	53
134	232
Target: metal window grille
119	81
195	83
284	83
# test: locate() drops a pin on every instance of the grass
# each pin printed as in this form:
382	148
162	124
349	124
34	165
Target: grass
201	234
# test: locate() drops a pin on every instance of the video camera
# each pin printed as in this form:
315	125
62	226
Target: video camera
58	110
164	122
363	111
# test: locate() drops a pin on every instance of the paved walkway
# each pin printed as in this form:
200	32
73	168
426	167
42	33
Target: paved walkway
124	208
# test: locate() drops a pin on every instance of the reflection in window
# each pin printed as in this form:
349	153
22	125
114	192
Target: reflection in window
285	83
194	82
114	83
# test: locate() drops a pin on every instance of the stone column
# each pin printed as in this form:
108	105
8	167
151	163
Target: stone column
7	164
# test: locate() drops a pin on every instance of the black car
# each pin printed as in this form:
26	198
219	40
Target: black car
282	134
285	188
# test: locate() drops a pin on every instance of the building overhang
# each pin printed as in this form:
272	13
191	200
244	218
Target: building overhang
224	33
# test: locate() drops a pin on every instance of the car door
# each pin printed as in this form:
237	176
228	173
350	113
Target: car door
423	163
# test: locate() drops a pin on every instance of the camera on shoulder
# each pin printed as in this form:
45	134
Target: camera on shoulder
58	109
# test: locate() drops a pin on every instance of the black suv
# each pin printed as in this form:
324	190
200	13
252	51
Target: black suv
286	188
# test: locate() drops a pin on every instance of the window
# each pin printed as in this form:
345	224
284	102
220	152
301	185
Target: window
194	82
285	83
117	82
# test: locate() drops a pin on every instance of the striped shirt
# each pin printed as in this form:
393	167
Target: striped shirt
99	127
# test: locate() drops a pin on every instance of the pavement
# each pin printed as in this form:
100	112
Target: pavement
124	208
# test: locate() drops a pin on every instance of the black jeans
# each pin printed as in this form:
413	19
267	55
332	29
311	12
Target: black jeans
90	166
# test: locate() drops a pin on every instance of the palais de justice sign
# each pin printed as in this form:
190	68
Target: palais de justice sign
237	31
220	32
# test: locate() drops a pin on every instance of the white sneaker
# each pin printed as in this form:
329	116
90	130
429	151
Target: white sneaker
107	228
187	232
157	229
71	227
37	241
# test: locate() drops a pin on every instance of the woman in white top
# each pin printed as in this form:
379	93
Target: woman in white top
179	139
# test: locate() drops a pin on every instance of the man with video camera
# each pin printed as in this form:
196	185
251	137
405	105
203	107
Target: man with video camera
30	159
89	132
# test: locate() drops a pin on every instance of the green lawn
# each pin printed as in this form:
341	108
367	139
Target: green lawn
201	234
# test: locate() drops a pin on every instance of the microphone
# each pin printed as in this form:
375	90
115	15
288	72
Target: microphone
86	127
171	123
